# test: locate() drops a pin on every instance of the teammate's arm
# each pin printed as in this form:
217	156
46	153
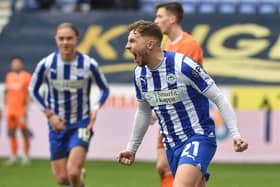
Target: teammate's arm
27	84
6	90
101	82
37	80
36	83
104	89
5	96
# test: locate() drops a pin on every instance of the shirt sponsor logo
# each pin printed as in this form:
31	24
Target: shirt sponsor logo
163	97
67	84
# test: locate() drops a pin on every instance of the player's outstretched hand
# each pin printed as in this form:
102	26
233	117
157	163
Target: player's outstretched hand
240	145
126	157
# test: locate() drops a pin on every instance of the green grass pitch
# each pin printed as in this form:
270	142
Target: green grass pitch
141	174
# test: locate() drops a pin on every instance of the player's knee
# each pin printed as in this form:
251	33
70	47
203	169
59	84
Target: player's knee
62	180
162	168
11	132
73	174
24	132
187	182
179	184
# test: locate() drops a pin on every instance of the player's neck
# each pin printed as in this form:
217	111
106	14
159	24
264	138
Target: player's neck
68	57
17	71
155	59
175	33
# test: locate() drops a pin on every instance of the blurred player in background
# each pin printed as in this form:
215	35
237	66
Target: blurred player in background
169	17
16	101
177	89
69	76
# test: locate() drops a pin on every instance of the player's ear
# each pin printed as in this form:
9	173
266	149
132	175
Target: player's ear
173	19
150	44
78	40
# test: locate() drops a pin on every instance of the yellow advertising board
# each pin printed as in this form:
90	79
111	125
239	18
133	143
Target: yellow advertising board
248	98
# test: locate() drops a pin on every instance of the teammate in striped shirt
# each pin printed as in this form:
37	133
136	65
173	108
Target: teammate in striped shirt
68	75
169	17
177	89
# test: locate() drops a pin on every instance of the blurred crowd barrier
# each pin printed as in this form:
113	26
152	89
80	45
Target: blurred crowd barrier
257	109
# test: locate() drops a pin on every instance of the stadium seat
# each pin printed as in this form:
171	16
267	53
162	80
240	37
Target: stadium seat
207	6
65	3
147	5
31	4
189	6
227	6
268	6
248	6
219	6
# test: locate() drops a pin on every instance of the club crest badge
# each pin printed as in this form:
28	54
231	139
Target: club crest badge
143	81
171	78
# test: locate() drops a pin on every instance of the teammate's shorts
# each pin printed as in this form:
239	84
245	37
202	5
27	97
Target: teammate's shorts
16	120
62	142
197	151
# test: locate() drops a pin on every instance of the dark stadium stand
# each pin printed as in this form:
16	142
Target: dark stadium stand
253	21
4	13
220	6
190	6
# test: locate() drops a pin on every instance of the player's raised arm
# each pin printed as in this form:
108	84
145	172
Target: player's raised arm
217	97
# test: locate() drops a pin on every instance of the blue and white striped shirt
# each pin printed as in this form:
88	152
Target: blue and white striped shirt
68	86
174	91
